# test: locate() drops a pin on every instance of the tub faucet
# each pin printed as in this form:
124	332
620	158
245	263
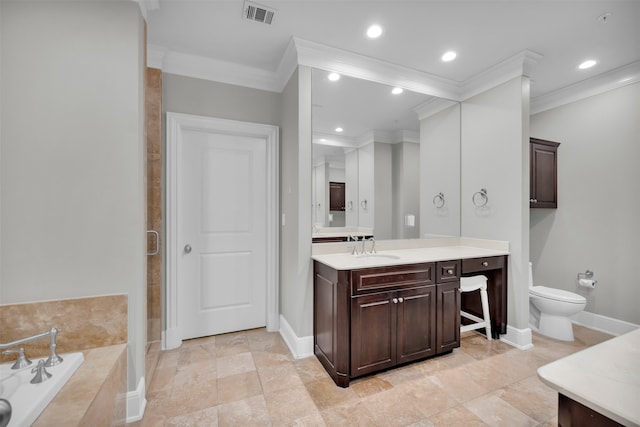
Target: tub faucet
54	358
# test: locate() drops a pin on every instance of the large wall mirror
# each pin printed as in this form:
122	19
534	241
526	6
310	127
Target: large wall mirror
380	167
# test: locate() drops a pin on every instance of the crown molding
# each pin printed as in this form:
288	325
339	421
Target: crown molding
445	92
433	106
328	58
595	85
520	64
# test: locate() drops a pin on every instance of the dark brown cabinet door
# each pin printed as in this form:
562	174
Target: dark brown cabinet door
543	184
416	333
448	317
336	196
373	325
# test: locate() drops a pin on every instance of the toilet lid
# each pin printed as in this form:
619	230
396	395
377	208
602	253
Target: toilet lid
557	294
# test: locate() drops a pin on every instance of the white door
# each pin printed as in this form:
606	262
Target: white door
222	242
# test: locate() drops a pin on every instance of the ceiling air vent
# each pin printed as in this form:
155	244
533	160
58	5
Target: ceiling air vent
257	12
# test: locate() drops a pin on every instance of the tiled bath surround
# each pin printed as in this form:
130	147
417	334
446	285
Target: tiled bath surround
97	326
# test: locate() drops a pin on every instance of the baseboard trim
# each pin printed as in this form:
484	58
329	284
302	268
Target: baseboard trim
136	402
519	338
299	347
602	323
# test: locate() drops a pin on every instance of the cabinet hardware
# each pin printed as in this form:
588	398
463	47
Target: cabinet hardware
395	300
450	271
157	240
533	200
485	264
400	299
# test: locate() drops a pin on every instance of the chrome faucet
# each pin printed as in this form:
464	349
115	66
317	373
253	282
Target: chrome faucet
373	245
54	358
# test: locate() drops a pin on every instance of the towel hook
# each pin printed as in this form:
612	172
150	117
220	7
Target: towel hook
480	198
438	200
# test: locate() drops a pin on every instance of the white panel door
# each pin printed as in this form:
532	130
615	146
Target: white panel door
222	229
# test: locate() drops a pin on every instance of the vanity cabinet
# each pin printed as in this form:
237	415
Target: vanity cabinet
371	319
543	168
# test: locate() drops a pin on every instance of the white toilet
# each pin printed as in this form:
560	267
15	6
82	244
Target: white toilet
550	309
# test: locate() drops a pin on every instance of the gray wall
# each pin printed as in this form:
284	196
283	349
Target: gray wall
596	225
72	172
296	287
494	156
188	95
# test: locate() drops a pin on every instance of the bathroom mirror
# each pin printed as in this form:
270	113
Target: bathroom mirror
377	156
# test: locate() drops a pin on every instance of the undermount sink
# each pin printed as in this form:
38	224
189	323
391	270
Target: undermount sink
378	256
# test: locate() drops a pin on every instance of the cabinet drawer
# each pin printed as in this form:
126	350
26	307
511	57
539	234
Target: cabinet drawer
481	264
393	277
447	271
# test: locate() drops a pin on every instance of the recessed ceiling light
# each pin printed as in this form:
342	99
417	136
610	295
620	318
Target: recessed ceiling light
587	64
323	140
374	31
397	90
339	129
334	77
449	56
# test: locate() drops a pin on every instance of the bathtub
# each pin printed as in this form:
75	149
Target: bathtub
29	400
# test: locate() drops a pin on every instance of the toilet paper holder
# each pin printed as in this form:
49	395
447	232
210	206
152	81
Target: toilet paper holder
586	275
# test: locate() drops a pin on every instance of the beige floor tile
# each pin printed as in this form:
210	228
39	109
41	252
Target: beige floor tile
326	394
267	358
367	386
234	364
351	413
458	416
498	413
459	385
531	397
426	395
395	407
310	369
191	400
238	387
278	377
286	406
250	378
246	413
230	344
205	418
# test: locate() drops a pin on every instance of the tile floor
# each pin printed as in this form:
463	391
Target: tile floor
249	378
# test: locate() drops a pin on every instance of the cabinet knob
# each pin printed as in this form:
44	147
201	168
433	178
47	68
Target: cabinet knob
450	271
485	264
533	200
400	299
395	300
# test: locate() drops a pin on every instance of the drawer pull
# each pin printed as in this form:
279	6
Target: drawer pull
400	299
485	264
395	300
450	271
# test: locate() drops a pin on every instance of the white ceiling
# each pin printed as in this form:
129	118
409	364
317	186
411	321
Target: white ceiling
415	35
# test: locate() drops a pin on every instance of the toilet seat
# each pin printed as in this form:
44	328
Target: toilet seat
557	294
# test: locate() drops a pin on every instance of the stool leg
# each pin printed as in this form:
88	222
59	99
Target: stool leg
485	312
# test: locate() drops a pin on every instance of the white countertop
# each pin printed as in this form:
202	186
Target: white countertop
605	377
347	261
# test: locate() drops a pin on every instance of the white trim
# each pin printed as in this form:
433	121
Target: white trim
176	123
352	64
520	64
602	323
299	347
136	402
519	338
146	6
601	83
432	106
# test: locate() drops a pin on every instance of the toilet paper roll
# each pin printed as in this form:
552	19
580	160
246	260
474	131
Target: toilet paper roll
587	283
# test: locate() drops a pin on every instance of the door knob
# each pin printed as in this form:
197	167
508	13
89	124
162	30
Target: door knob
187	249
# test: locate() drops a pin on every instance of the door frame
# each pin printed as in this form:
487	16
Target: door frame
176	124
